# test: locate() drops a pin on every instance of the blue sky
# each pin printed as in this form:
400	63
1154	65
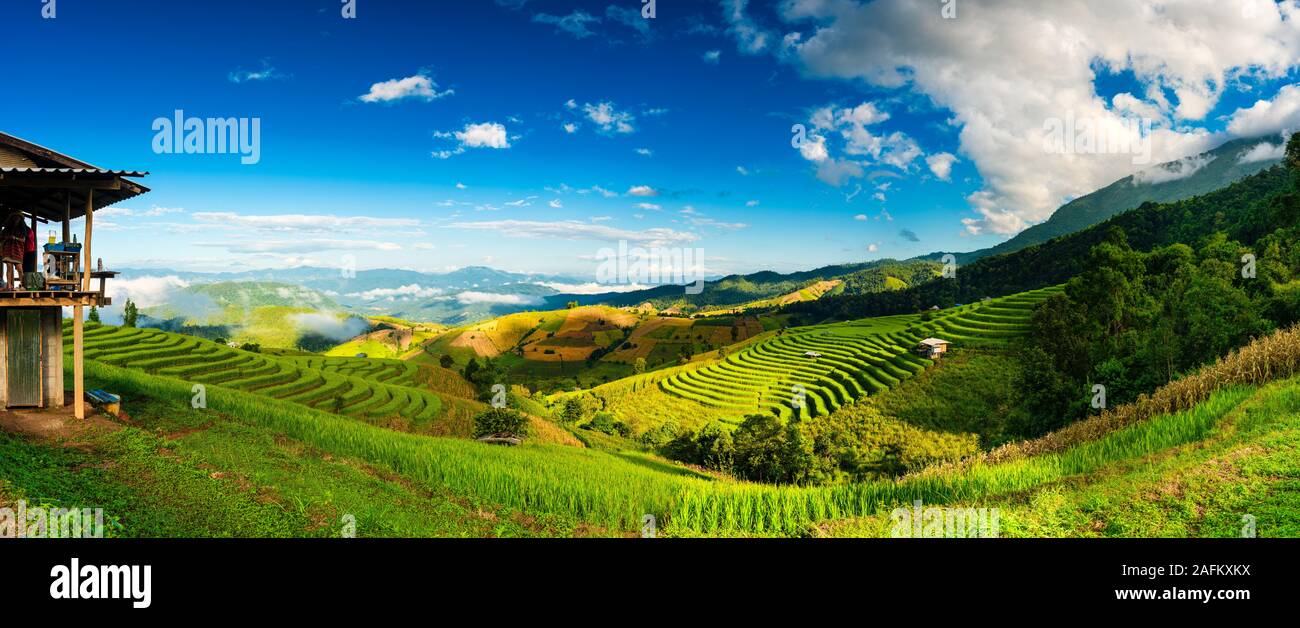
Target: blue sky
528	134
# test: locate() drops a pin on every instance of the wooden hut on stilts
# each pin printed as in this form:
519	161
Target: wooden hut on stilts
39	186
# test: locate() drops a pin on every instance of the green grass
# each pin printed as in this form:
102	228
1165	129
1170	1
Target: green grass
378	391
613	492
856	359
185	472
973	393
1219	466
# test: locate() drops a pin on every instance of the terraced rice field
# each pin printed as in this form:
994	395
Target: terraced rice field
831	365
372	390
1006	317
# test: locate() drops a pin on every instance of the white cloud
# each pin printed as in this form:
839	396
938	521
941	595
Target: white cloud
1173	171
472	297
570	128
556	204
596	189
593	287
1264	151
403	293
301	222
861	145
145	291
574	230
267	73
750	37
484	135
418	87
712	57
941	165
1269	117
607	117
649	206
813	148
645	152
574	23
331	326
1003	70
481	135
642	190
860	217
304	245
152	212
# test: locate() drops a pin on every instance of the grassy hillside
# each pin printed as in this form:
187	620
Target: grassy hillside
767	288
391	338
831	365
589	345
612	492
270	314
1213	170
385	392
1245	212
1236	418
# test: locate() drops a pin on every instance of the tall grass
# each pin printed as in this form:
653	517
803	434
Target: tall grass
1273	357
611	491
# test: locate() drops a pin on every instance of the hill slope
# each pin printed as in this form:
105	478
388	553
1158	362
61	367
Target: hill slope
1244	211
1164	183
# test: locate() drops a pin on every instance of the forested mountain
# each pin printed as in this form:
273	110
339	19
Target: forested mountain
1244	212
1163	183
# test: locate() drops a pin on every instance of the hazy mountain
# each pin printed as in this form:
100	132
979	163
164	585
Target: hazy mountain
1164	183
879	275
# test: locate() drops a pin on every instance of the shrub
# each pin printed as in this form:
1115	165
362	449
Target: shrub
500	422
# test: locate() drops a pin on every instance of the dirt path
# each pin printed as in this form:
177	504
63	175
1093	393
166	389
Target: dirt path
55	424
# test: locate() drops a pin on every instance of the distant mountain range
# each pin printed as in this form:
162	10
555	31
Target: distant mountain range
476	293
463	295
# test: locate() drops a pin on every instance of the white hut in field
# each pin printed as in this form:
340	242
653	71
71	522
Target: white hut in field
932	348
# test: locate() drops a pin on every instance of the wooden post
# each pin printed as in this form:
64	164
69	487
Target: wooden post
85	245
78	348
78	381
36	236
67	218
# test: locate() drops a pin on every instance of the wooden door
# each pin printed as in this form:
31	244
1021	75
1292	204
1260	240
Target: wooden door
23	329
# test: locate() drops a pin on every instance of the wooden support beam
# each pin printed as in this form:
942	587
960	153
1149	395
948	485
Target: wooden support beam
78	367
67	218
85	245
78	350
65	184
36	235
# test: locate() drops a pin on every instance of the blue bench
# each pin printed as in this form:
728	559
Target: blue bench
112	403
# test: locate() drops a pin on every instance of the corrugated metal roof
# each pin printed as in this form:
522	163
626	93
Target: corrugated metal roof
25	167
119	173
934	342
13	158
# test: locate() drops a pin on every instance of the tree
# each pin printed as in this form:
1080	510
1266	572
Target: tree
1293	152
500	422
572	412
446	361
759	441
571	304
94	314
129	314
638	365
